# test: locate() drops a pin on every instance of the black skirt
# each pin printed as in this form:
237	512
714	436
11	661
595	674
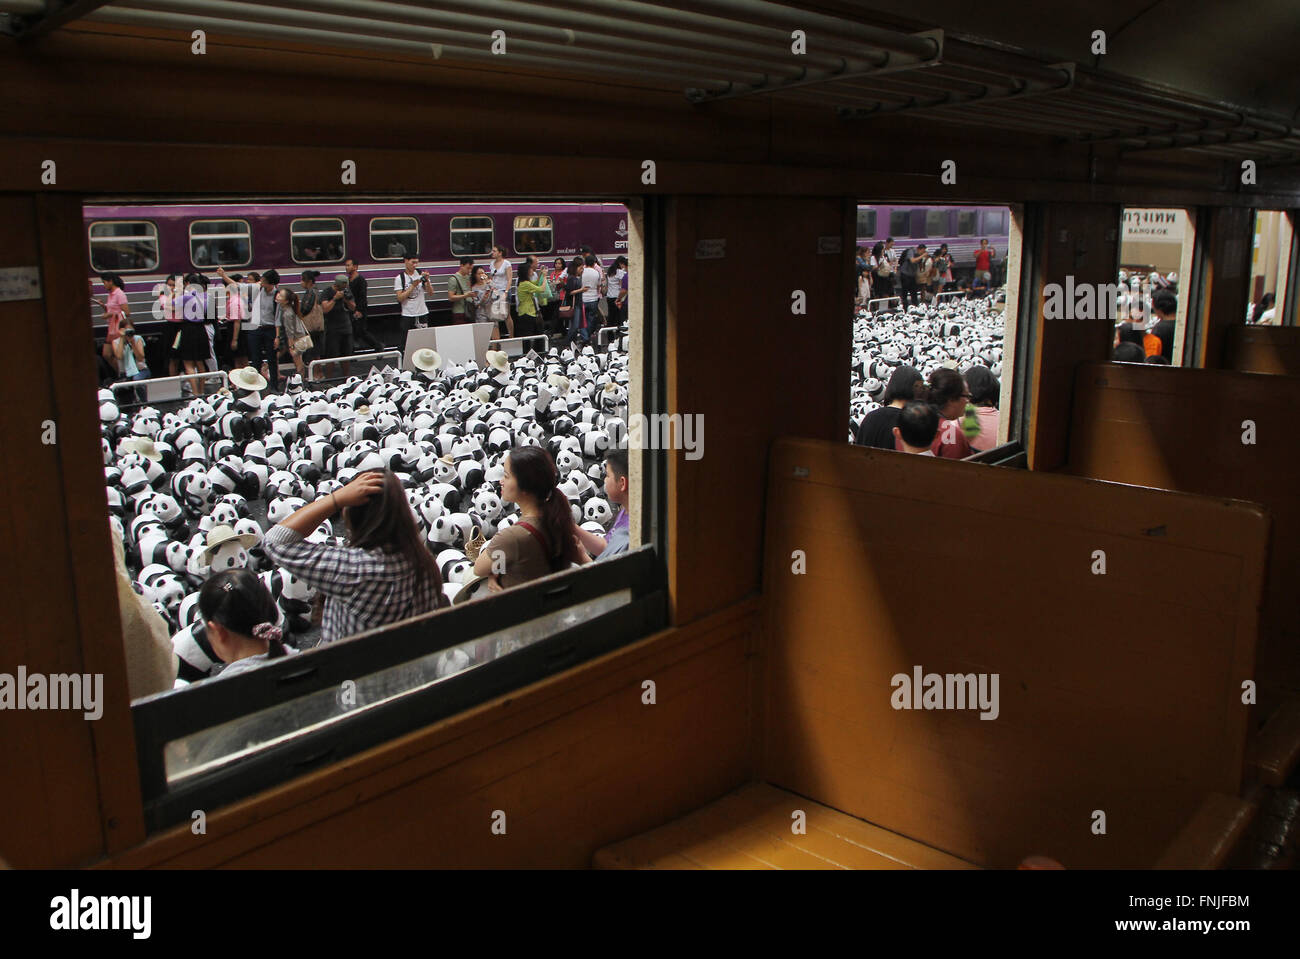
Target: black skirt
194	341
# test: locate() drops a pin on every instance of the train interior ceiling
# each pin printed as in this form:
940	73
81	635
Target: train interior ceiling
1110	546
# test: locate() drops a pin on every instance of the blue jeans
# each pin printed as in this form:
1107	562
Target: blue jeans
576	328
261	347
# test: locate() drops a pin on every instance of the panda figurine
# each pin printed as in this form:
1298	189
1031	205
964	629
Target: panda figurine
225	549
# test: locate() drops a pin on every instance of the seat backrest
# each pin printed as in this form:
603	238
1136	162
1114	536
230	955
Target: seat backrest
1118	700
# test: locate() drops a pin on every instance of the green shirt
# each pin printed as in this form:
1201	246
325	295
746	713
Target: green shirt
458	284
528	291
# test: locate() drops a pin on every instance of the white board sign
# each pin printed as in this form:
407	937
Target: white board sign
1164	226
20	283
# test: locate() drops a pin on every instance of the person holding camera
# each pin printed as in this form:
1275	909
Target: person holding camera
128	350
339	309
412	285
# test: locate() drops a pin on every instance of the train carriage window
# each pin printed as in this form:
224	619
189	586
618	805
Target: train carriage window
966	223
900	223
936	222
866	222
534	234
123	246
394	237
220	243
995	221
471	235
316	240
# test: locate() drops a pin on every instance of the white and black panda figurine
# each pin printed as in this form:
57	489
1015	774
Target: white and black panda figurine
225	549
197	660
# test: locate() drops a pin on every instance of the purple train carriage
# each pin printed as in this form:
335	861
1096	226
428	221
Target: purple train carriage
961	227
145	243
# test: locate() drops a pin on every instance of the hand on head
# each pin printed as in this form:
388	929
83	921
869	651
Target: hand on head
360	489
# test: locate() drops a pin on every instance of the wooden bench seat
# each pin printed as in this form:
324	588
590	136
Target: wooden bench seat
751	829
1275	750
1208	840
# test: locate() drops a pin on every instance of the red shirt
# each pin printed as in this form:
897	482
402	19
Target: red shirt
983	259
949	443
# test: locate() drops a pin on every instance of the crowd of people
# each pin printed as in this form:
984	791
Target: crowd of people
257	320
951	416
251	524
917	275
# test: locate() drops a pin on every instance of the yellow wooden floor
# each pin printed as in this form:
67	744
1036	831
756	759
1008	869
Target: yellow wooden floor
751	829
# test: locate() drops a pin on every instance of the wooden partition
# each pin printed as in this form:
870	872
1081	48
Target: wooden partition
1187	430
1114	696
1264	349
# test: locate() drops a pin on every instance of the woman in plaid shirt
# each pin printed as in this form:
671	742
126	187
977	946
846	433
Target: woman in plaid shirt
384	575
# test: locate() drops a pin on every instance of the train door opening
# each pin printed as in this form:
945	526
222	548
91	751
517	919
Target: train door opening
1155	265
935	299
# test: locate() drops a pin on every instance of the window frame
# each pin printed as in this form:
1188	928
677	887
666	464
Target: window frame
221	236
452	229
90	247
515	231
343	236
371	237
170	715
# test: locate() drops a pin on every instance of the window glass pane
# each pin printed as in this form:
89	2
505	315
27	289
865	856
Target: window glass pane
123	246
966	223
316	240
533	234
214	747
866	223
394	237
900	223
220	243
471	235
936	222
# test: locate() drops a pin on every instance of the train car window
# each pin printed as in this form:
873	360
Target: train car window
866	222
220	243
1155	250
317	240
966	223
123	246
394	237
534	234
900	223
995	221
936	222
1269	269
471	235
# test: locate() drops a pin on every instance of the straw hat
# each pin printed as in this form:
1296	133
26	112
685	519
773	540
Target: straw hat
247	378
498	360
426	359
139	444
218	536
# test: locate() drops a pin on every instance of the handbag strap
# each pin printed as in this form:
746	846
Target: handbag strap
546	551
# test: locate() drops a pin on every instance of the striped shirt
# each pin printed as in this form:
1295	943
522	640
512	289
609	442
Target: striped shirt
363	588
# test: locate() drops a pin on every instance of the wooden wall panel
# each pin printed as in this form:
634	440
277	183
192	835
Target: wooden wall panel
575	762
752	369
1263	349
1079	246
1227	250
1182	429
51	810
1114	695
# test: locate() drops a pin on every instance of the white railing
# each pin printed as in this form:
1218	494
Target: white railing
152	394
